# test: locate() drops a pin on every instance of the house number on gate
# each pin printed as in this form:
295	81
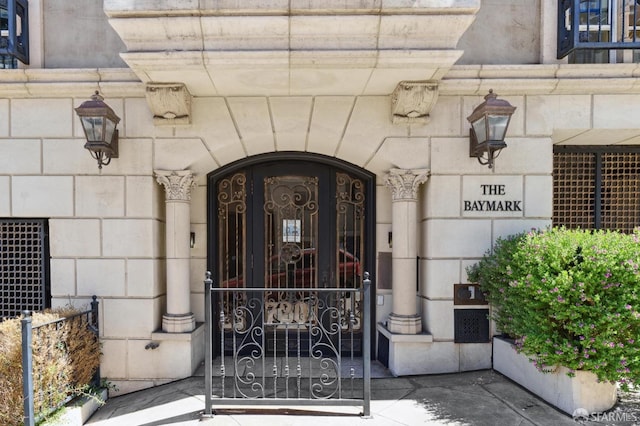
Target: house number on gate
496	204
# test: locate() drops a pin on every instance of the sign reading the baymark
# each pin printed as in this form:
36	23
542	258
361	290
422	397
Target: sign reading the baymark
489	196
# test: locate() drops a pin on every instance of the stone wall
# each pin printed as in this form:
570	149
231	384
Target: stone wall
504	33
66	34
107	229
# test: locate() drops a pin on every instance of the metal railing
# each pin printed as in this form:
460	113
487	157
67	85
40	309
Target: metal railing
304	354
89	317
597	25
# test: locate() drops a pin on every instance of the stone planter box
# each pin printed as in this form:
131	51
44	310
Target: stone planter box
78	411
566	393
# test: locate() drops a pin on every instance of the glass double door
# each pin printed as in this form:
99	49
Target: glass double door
292	228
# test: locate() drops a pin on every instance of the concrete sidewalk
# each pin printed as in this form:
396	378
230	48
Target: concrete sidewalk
473	398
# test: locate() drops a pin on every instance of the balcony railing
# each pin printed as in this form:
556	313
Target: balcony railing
597	25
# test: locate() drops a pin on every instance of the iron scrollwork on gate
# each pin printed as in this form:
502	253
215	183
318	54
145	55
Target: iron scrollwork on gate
308	366
232	210
310	343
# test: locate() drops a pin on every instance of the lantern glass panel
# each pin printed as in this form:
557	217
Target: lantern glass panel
93	127
498	127
479	127
108	132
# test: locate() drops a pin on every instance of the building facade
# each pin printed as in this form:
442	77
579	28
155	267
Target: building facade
354	112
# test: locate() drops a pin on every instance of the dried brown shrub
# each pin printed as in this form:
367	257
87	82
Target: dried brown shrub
10	373
65	357
83	349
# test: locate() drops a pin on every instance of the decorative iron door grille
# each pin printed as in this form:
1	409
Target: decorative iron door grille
596	187
305	232
24	267
291	256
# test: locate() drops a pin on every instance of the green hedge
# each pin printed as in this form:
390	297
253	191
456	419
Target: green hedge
568	297
65	358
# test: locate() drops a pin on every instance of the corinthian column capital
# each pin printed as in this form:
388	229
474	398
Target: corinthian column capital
177	184
404	183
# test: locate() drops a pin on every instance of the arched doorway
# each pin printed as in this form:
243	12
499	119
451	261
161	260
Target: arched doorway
292	221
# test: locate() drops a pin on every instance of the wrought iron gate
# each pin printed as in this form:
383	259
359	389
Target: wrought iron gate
314	371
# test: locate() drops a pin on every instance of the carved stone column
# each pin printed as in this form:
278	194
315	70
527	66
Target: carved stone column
177	185
404	186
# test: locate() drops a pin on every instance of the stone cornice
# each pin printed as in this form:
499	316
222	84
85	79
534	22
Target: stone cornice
218	48
461	80
199	8
64	83
553	79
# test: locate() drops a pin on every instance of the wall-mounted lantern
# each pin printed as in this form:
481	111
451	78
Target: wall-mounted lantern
489	122
99	123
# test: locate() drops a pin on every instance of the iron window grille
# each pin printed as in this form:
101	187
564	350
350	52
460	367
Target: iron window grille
24	266
14	33
596	187
589	29
471	326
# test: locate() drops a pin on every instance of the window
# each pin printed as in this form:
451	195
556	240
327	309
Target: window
14	33
599	31
596	187
24	266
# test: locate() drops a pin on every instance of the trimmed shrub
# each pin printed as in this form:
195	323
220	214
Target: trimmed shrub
568	297
65	357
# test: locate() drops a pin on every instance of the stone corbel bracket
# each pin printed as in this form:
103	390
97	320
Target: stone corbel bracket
412	102
170	103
